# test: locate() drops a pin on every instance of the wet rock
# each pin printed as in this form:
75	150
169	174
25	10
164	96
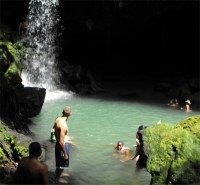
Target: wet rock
30	100
63	179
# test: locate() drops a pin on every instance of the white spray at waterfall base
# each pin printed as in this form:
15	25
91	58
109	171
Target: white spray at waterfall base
40	64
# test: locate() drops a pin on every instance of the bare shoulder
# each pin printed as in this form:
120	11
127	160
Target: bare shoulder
57	120
43	167
23	161
63	124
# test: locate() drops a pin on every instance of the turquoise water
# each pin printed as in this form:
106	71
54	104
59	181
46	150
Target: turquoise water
95	123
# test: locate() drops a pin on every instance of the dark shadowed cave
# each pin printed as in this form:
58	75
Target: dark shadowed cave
135	40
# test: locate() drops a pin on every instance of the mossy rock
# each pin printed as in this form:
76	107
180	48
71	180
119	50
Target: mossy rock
11	56
173	151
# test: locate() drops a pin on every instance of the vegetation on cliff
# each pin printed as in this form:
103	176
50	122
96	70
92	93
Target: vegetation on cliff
11	55
173	152
12	145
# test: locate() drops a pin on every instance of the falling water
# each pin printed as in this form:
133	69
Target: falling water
40	66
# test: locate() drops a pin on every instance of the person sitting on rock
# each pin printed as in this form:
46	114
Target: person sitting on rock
30	170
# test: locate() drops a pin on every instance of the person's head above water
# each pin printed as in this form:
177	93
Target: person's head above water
120	144
141	127
67	111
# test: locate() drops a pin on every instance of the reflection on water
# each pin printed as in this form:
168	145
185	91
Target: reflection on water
96	123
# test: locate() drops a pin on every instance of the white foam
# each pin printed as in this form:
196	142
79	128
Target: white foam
58	94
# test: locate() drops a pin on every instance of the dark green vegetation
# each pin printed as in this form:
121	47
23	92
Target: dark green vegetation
174	152
11	54
12	145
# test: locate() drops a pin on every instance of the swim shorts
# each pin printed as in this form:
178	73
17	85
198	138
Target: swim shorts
61	163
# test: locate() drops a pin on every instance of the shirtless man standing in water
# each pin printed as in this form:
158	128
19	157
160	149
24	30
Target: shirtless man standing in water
62	141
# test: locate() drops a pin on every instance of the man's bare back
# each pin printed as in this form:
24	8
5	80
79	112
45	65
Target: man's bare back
32	171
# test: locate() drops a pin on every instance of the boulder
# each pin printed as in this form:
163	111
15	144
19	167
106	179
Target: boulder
16	100
173	152
30	100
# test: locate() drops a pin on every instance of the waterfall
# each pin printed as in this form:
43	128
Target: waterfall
40	64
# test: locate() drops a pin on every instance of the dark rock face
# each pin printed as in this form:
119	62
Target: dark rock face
30	100
16	100
79	80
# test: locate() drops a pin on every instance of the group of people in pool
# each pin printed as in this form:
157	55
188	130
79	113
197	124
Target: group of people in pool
174	103
31	170
139	155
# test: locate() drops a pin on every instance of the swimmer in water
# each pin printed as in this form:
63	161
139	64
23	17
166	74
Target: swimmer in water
121	151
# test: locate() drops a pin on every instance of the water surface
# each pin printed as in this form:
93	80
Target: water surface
95	123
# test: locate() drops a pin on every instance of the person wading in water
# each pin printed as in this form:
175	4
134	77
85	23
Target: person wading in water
62	142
